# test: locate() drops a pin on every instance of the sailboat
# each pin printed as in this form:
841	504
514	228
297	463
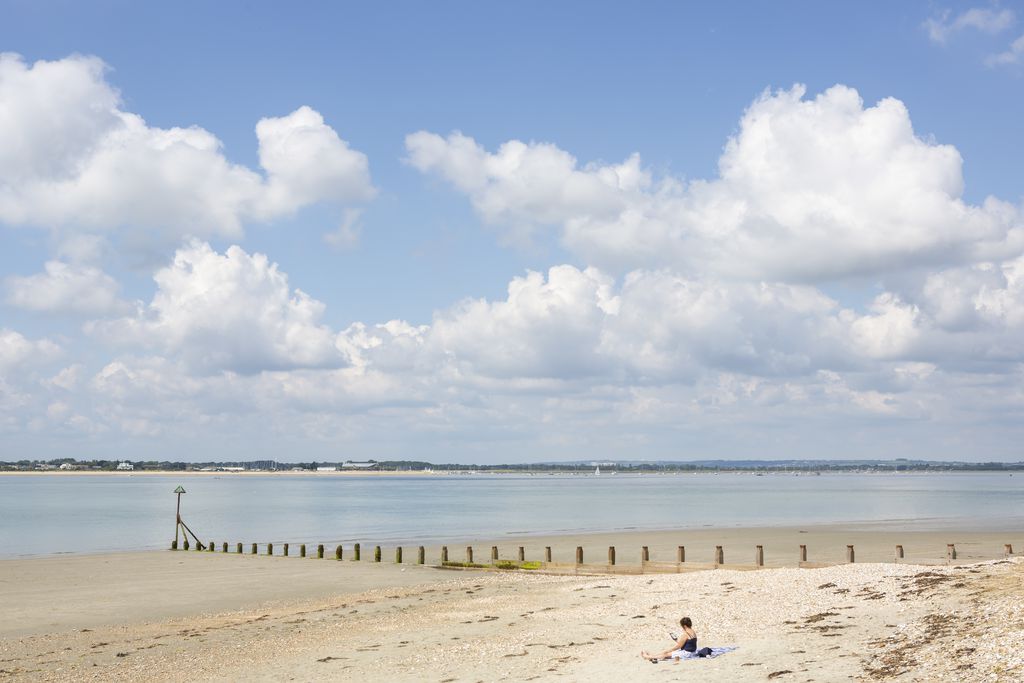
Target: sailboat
597	471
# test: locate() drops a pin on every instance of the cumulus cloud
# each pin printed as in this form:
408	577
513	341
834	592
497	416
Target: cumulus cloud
808	190
81	162
67	288
16	350
233	311
987	20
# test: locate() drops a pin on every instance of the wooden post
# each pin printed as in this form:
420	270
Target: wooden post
421	555
444	554
210	547
803	552
759	556
185	544
253	549
719	555
611	555
950	551
239	548
174	544
1007	548
522	554
320	551
579	554
469	554
355	552
849	553
302	550
270	549
284	551
199	545
681	554
899	553
225	548
494	553
398	555
337	553
547	553
376	553
645	555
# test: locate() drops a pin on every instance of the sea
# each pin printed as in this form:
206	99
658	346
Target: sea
68	513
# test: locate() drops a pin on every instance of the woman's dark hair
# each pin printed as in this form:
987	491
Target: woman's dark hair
685	621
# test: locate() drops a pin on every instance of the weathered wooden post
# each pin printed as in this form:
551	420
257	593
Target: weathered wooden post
522	554
376	553
950	551
238	548
719	555
199	545
444	554
1007	548
177	519
759	556
611	555
579	554
680	554
398	555
270	549
803	552
355	552
494	554
469	554
337	553
320	551
547	553
253	549
421	555
174	544
284	550
849	553
899	553
645	555
302	550
210	547
224	549
185	544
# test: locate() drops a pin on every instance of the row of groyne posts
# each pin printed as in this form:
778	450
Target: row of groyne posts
496	562
645	557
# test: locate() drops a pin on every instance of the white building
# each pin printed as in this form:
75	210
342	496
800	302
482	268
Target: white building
326	469
358	465
125	467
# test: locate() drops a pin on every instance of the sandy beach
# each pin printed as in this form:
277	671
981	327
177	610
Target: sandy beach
209	616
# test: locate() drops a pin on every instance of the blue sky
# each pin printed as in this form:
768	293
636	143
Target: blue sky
882	318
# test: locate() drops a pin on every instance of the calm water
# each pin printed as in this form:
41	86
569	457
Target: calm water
78	514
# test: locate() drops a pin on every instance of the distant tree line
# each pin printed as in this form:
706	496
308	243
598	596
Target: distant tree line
757	466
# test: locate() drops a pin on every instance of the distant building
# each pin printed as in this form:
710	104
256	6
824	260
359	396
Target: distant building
125	466
68	466
326	469
231	469
358	465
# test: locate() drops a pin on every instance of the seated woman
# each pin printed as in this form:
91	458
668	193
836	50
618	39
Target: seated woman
687	642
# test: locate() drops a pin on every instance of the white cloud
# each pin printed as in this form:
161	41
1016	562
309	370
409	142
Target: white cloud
80	162
346	236
807	190
17	351
943	26
234	311
1012	55
69	288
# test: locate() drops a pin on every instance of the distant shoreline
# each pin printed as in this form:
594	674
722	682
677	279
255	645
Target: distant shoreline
472	472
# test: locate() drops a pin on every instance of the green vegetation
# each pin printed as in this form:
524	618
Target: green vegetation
465	565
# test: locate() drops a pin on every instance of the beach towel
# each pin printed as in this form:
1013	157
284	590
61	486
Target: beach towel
714	652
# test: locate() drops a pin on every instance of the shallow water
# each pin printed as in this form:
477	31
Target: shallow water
42	515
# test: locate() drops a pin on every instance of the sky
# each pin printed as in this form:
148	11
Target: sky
482	232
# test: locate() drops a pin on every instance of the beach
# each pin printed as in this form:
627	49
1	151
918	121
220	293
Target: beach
180	616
